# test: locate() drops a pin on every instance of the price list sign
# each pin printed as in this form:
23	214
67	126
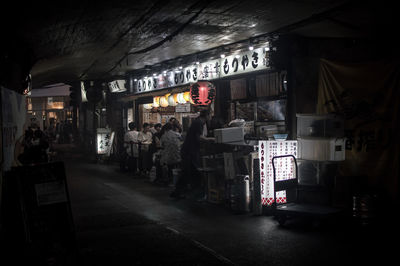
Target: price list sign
284	167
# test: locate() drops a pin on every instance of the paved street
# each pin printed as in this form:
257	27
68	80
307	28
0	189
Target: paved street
120	220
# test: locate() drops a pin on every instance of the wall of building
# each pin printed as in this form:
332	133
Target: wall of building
305	60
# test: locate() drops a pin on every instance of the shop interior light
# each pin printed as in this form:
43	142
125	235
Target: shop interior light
165	72
237	56
135	80
222	56
266	49
251	48
197	63
180	67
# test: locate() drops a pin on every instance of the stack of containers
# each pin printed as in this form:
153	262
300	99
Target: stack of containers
321	145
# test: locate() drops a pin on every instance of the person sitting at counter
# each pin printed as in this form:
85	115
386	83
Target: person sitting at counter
190	154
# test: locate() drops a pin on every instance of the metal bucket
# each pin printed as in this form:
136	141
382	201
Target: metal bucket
240	194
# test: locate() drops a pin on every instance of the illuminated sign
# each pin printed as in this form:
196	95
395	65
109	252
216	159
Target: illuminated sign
285	168
117	86
104	140
236	64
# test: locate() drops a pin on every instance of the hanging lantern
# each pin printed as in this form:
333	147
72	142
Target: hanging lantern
186	96
180	98
171	101
163	101
156	101
202	93
176	97
148	106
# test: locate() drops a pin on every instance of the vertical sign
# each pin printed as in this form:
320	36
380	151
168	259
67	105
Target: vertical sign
104	140
284	167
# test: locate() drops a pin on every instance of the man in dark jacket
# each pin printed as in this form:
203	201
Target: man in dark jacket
190	153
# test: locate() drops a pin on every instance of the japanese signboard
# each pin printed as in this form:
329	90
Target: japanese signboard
245	62
285	168
117	86
104	140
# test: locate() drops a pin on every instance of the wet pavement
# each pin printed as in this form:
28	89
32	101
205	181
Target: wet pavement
121	220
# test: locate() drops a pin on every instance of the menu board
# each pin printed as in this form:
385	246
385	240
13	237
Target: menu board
285	168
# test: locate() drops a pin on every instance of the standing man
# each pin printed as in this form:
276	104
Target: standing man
190	154
146	161
131	147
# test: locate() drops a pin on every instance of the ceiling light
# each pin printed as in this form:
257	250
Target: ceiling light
266	49
197	63
222	56
251	48
180	67
135	80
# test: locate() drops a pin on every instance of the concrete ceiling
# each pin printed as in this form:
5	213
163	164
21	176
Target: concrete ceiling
86	40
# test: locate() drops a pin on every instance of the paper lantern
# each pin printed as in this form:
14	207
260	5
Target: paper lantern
171	101
156	101
148	106
180	98
202	93
186	96
163	101
175	97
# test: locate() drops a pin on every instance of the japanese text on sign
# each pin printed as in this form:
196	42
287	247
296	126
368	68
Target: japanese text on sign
284	168
249	61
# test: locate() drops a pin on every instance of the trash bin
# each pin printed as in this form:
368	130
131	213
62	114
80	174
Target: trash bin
240	194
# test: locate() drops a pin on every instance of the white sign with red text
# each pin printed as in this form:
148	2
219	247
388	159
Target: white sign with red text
284	168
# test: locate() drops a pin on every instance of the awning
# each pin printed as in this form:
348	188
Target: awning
155	93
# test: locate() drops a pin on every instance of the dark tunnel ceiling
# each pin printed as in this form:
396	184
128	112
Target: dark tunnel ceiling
85	40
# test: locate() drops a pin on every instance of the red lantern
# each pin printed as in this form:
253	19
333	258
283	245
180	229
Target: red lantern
202	93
